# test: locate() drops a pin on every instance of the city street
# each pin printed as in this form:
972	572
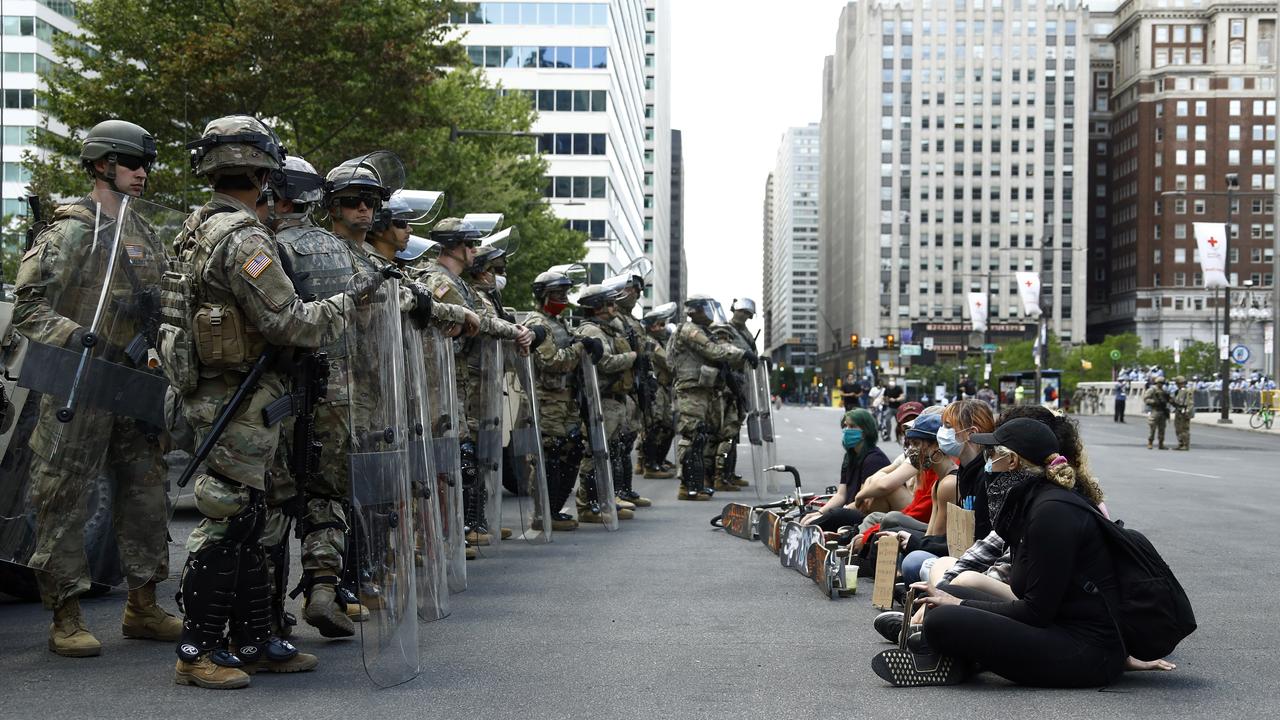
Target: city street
670	618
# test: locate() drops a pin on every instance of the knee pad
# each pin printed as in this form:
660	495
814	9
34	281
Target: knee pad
470	466
219	497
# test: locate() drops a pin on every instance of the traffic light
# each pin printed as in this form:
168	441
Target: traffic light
889	340
853	340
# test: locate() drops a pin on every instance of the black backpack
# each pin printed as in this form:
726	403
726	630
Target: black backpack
1153	613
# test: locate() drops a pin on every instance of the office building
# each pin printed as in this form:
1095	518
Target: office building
678	281
792	239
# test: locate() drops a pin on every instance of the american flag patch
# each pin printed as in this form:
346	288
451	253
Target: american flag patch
257	264
134	252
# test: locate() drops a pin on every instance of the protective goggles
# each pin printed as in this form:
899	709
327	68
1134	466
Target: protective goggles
352	202
133	162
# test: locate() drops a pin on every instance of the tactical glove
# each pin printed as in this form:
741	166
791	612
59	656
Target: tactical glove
752	358
364	286
594	347
539	334
421	312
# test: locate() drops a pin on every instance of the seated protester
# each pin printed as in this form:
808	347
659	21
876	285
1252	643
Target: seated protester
889	489
988	555
861	460
921	443
1055	633
960	420
932	538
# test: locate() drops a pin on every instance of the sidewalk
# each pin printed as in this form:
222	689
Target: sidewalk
1239	421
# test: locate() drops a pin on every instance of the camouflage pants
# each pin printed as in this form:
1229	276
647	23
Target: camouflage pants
730	428
248	447
328	496
1182	426
699	422
617	419
218	500
59	493
1155	427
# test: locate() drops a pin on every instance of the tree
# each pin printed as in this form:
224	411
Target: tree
334	79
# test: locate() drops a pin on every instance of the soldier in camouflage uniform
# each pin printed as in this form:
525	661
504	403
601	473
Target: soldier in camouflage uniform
1157	400
1184	408
698	361
659	428
59	277
458	242
614	373
736	403
243	302
555	364
637	341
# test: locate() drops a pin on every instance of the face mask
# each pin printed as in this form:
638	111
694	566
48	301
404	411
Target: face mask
986	466
947	442
913	457
998	487
554	308
852	436
499	282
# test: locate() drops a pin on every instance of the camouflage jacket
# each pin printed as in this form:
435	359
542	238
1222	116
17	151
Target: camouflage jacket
696	357
555	362
614	369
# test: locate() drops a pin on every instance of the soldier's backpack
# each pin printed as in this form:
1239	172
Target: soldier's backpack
1153	613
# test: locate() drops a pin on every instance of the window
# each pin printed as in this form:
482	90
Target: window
520	13
19	99
16	173
561	186
1179	255
19	135
1180	108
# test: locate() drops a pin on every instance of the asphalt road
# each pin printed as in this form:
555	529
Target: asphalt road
670	618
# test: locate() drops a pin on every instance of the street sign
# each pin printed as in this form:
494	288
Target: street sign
1240	354
1224	346
928	343
911	351
989	347
1115	354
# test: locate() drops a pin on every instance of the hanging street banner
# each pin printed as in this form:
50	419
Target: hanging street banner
978	311
1029	289
1211	240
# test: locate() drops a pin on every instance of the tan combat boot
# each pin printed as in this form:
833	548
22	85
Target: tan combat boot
740	481
207	674
472	553
302	662
478	538
719	484
683	492
68	635
323	612
506	533
145	620
351	605
657	473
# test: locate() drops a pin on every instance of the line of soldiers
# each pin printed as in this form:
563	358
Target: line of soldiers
278	344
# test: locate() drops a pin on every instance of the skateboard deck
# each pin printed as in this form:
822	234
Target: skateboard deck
771	534
829	568
739	520
794	548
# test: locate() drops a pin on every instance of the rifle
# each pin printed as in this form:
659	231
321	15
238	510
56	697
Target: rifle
734	384
309	379
37	221
644	384
246	388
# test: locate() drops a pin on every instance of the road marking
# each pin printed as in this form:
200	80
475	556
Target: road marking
1183	472
799	429
819	438
787	419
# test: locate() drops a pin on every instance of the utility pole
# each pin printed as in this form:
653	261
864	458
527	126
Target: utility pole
1275	236
1233	181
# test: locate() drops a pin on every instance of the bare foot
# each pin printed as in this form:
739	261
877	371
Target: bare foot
1133	664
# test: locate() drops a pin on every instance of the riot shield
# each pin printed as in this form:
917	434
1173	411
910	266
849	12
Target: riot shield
530	476
764	401
488	409
382	499
598	444
97	472
444	427
429	546
755	434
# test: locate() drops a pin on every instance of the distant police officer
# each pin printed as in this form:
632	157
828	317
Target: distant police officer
243	302
697	361
1184	408
1157	400
60	276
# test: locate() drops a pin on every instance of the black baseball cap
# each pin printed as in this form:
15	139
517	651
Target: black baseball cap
1031	439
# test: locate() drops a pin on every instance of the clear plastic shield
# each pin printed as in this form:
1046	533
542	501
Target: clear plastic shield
429	561
489	438
444	428
381	496
598	444
99	393
532	495
763	398
755	434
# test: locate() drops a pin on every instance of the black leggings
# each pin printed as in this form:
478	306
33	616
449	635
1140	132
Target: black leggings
836	519
1025	654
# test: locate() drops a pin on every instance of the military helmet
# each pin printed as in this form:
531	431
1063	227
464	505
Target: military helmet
301	183
378	174
746	304
595	297
1181	380
557	277
451	231
1159	380
396	208
235	142
662	314
118	137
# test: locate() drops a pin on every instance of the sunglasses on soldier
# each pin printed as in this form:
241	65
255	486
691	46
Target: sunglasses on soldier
398	223
352	202
133	162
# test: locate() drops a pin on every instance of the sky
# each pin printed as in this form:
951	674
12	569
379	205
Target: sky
742	72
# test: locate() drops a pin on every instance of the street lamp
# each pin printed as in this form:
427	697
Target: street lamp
1233	184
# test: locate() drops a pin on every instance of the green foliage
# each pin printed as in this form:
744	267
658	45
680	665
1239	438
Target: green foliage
334	79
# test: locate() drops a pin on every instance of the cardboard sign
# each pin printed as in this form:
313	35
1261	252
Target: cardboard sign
959	529
886	571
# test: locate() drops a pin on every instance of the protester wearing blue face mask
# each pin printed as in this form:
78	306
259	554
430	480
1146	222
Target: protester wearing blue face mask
862	459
